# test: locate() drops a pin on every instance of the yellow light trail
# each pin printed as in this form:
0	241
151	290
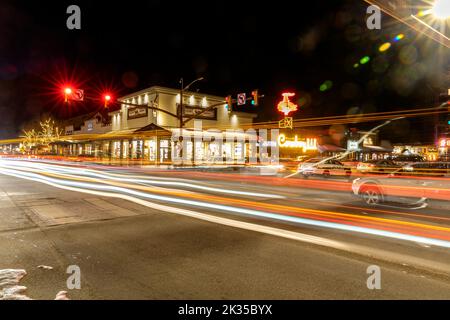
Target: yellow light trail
417	232
251	204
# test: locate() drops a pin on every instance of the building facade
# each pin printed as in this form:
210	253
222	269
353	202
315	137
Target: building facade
428	152
146	127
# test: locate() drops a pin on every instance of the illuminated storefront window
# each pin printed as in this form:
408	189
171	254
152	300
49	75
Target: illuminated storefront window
126	148
164	150
152	150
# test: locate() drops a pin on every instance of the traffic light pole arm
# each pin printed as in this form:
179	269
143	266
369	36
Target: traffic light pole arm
210	108
202	112
162	110
135	105
148	107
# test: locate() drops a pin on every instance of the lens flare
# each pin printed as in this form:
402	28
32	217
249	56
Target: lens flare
399	37
364	60
385	47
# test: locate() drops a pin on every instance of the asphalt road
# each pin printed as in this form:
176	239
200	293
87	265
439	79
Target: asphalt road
127	248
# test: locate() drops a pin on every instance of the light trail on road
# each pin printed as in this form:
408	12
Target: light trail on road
132	188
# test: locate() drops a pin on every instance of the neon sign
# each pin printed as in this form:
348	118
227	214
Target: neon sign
286	106
306	145
444	143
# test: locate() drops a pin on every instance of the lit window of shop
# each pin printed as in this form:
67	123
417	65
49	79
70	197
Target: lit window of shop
164	150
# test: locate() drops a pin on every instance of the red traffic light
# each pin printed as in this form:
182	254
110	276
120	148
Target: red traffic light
67	93
107	98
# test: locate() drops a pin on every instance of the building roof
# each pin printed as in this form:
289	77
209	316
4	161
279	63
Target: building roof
159	89
79	121
330	148
151	127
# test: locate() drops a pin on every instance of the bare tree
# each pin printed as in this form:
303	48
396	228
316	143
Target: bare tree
49	132
46	134
30	139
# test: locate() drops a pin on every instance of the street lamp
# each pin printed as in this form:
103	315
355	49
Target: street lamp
441	9
182	89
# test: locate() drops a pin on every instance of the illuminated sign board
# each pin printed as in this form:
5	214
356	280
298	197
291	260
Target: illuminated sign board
352	145
444	143
137	112
306	144
189	111
286	106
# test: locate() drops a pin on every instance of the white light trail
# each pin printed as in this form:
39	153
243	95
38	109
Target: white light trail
132	194
144	179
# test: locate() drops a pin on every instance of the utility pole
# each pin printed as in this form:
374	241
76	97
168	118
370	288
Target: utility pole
180	108
182	89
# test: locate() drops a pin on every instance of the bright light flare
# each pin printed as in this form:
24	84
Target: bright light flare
67	93
441	9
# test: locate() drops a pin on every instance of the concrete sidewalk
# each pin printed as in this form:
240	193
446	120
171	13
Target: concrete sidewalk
25	204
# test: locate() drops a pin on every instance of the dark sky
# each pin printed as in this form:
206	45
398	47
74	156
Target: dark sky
125	46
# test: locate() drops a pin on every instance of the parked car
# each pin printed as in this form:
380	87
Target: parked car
428	169
377	166
414	185
407	159
324	167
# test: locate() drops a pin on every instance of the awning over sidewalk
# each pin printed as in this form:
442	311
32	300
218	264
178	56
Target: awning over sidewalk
231	134
330	148
376	149
151	127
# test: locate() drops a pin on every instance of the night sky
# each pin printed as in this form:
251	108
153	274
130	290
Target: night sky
125	46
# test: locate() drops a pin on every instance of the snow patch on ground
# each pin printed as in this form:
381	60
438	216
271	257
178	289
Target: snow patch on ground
11	290
62	295
45	267
9	285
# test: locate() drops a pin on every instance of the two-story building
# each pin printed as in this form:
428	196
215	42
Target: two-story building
145	125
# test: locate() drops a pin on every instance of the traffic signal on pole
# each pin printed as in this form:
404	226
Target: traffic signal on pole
229	103
106	99
67	93
255	97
